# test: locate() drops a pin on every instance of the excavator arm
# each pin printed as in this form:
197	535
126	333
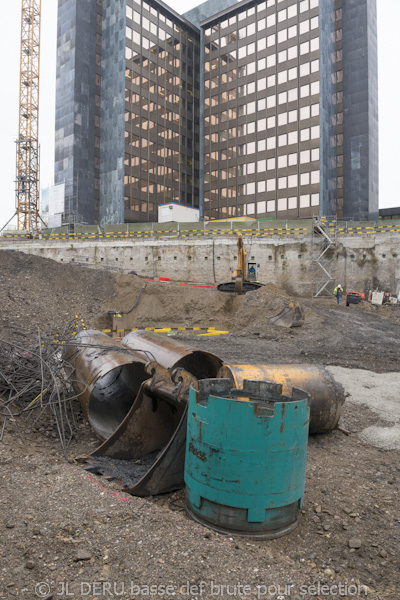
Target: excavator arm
240	284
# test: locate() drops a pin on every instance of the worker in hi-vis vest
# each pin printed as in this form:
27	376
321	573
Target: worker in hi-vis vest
338	291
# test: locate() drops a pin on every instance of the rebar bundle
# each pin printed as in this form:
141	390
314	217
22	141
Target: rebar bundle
35	383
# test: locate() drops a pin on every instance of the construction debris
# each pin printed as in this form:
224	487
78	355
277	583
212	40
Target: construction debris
51	509
135	393
35	383
143	410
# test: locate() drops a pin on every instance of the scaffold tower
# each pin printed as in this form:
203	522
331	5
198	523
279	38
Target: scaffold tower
27	171
324	256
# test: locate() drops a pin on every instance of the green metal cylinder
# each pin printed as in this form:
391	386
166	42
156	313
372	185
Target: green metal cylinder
246	452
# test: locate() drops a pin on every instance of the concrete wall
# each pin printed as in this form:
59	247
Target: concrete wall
363	261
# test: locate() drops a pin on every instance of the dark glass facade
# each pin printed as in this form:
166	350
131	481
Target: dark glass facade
77	128
112	147
266	109
360	108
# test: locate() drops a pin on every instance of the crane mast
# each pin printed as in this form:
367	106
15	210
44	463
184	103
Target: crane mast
27	177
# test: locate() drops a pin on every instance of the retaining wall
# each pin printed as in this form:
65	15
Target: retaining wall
363	261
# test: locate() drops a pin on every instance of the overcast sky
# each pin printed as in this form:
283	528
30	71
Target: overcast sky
389	93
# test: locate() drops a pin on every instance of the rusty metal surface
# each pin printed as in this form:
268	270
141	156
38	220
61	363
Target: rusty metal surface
327	395
152	436
139	410
171	353
107	378
291	316
135	396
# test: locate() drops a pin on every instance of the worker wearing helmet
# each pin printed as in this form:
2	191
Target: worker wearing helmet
338	291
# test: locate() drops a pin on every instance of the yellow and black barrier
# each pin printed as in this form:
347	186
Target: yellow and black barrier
339	229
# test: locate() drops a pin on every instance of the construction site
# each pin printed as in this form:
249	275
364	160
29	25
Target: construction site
197	410
89	503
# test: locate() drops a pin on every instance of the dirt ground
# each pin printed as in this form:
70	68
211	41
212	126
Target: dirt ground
68	534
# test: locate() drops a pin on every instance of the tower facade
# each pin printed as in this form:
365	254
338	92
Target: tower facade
265	109
77	144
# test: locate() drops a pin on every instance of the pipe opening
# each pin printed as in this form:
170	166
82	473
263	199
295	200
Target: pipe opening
112	397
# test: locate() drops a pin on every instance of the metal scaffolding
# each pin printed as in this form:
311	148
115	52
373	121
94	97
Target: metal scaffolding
27	178
324	252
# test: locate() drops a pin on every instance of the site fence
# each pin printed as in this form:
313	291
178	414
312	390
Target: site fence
186	230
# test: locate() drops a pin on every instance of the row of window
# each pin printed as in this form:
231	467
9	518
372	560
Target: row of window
230	152
304	5
288	203
154	88
284	118
152	167
166	69
159	147
281	162
282	204
268	41
292	137
135	205
145	186
266	82
270	185
310	89
213	80
149	125
167	195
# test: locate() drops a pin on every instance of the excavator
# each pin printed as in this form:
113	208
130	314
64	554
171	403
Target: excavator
239	284
291	316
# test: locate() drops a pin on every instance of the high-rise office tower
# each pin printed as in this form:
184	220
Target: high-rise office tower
265	109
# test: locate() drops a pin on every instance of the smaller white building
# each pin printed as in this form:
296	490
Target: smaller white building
177	213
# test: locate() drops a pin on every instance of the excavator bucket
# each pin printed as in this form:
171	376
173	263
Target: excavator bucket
146	454
327	395
291	316
142	411
108	373
238	286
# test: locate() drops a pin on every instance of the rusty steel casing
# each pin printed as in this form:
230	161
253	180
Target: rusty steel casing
171	353
327	395
107	378
146	451
109	374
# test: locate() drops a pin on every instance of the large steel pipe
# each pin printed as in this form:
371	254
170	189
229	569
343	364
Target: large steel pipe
171	353
327	395
145	442
146	452
107	379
